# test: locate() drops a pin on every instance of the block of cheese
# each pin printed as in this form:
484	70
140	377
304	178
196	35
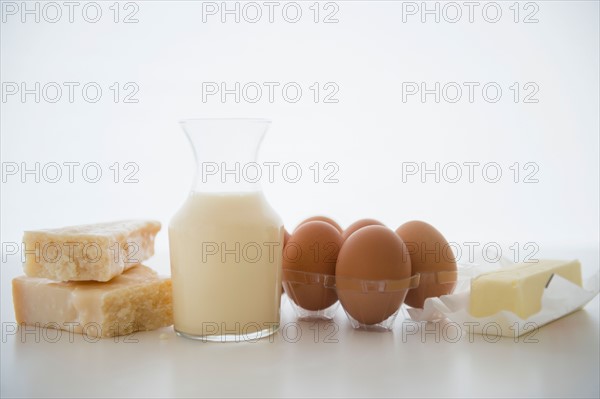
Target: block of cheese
136	300
96	252
518	288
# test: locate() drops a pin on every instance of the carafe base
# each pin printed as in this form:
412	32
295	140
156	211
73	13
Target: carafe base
254	336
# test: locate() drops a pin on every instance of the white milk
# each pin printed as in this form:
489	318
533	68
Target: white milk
226	255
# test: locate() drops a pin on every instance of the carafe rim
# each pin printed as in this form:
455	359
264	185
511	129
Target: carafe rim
256	120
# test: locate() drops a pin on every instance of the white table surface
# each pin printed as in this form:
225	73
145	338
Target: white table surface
564	362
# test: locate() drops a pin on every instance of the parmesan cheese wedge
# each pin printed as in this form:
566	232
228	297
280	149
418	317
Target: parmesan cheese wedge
136	300
96	252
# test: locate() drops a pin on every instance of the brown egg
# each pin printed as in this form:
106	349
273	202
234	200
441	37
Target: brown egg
322	219
359	224
313	247
432	257
286	238
371	253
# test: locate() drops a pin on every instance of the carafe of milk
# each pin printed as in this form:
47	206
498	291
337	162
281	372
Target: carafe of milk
226	240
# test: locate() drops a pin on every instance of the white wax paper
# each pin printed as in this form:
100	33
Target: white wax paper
560	298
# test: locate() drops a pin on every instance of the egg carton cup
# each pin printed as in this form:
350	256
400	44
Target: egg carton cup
435	284
306	291
373	305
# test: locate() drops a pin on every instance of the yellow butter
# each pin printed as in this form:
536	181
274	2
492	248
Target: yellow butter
518	288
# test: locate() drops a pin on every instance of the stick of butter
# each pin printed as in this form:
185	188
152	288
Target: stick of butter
518	288
96	252
136	300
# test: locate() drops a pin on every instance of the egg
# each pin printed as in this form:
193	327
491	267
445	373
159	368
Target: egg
286	238
312	248
432	258
371	253
359	224
322	219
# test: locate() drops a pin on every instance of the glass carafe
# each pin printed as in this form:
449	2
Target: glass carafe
226	240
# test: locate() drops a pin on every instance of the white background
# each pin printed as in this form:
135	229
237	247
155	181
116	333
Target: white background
368	133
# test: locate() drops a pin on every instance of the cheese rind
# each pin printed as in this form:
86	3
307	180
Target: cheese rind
518	288
95	252
136	300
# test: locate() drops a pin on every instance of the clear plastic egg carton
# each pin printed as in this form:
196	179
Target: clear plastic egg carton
312	295
373	305
432	284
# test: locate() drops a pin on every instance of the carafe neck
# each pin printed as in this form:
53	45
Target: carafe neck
226	153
